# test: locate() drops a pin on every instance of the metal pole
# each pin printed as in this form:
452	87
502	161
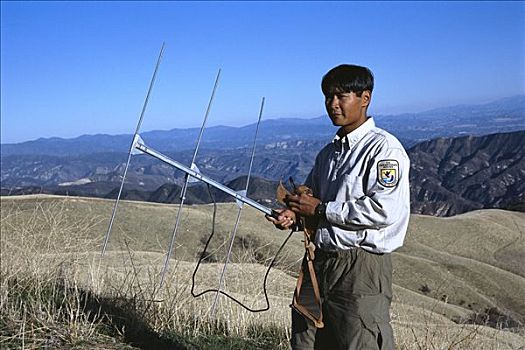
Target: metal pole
186	181
152	82
236	227
205	179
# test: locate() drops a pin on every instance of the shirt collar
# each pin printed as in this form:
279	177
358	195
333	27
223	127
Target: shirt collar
352	138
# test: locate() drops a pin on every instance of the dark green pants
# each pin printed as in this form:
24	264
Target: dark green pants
356	291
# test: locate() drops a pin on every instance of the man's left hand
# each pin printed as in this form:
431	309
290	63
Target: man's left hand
303	204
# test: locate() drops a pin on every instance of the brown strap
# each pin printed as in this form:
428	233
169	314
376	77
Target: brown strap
309	228
318	322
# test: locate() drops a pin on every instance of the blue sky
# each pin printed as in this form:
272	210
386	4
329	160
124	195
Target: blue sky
73	68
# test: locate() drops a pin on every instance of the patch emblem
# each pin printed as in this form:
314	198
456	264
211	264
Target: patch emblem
388	172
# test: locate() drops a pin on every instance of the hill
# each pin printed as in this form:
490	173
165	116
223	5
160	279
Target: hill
457	279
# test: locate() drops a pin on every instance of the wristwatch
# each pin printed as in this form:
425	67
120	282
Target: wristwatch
320	210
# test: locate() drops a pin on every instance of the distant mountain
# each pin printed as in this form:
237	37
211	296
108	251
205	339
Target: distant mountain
500	116
177	140
455	175
272	161
260	190
448	175
504	115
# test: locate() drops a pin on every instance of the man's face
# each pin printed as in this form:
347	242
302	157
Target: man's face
346	108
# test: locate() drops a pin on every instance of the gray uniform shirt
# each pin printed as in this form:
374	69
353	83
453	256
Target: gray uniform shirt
363	178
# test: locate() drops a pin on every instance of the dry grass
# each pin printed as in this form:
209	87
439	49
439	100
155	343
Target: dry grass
56	292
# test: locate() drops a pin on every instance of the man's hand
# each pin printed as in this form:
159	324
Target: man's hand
303	204
286	219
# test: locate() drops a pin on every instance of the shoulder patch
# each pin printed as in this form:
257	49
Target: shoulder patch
388	172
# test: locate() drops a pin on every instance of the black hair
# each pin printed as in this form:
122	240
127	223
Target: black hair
347	78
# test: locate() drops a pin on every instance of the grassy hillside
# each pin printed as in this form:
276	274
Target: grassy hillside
458	281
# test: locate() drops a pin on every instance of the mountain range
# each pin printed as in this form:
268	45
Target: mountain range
455	175
449	175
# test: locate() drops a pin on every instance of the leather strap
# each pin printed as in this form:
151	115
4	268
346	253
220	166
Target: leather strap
309	256
309	228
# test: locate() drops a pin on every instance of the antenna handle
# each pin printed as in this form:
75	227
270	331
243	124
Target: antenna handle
275	214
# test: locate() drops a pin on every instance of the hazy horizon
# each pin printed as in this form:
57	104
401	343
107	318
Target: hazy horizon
210	123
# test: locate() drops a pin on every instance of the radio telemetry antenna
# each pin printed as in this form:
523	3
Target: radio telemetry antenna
192	174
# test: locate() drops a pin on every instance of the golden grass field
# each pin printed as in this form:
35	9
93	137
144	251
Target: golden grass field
55	287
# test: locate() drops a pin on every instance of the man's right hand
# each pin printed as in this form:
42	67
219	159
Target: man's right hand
285	220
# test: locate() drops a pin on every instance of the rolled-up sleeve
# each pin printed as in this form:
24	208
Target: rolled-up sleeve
379	198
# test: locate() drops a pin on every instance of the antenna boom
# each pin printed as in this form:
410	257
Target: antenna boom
205	179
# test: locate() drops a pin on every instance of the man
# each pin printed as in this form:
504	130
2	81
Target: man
361	201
